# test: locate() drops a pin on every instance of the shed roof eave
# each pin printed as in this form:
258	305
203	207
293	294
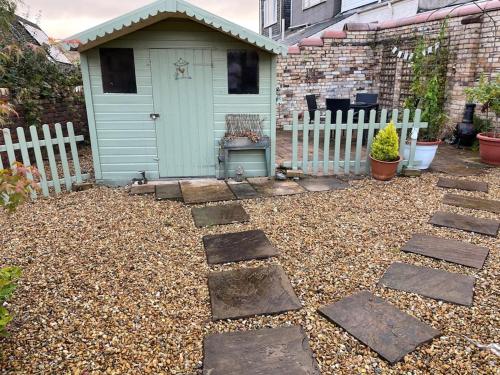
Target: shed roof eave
163	9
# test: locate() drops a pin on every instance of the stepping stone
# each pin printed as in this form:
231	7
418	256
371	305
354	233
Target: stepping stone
271	187
243	190
251	291
471	202
385	329
428	282
142	189
449	183
219	215
169	191
235	247
203	191
467	223
322	184
453	251
283	350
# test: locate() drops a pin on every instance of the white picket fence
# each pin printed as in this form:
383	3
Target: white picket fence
37	144
338	136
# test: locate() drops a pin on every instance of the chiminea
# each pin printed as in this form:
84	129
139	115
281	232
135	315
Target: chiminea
466	134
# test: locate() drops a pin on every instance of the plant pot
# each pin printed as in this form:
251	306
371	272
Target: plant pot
384	170
425	153
489	148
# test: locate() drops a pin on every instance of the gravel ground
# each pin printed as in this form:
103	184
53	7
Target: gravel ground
114	283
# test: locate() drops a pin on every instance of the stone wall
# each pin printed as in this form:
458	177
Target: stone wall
360	59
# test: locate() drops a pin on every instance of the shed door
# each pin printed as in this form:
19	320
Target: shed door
182	89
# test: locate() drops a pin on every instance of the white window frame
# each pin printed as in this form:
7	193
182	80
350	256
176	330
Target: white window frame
270	12
306	4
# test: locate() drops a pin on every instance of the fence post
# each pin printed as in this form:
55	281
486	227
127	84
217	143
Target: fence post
317	119
52	160
402	142
369	141
338	135
414	136
39	160
359	141
10	147
348	141
74	153
24	154
305	142
64	158
295	140
326	142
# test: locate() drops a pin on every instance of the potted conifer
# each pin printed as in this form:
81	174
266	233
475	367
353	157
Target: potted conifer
384	154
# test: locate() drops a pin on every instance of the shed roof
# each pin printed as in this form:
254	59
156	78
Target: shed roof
161	10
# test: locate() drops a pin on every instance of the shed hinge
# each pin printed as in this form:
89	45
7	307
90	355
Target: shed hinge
154	116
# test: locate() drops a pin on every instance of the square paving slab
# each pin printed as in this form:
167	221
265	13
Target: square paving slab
467	223
471	202
169	191
437	284
251	291
271	187
219	215
385	329
268	351
322	184
236	247
450	183
203	191
452	251
243	190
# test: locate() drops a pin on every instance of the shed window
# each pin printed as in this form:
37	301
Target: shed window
243	72
118	70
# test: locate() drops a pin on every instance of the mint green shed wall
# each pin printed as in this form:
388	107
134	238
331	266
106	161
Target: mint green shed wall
124	138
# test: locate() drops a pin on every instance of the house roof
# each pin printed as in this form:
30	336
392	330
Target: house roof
27	31
161	10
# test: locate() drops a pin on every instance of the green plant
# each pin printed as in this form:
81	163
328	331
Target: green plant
385	147
428	85
29	75
487	93
16	186
8	278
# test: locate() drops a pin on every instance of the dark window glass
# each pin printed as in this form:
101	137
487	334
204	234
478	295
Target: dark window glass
243	72
118	70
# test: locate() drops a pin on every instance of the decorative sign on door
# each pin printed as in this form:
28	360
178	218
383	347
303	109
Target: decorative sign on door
182	69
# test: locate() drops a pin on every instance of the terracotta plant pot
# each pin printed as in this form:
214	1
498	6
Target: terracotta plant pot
489	148
384	170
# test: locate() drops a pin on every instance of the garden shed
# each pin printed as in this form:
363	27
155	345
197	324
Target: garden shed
160	83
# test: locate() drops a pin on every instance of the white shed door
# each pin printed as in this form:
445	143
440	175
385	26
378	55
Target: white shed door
182	90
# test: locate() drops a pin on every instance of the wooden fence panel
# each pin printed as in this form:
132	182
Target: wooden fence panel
35	144
333	133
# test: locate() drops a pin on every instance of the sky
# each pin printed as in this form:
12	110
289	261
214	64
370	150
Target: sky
63	18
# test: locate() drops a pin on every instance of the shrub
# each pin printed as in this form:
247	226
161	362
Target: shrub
385	147
8	278
15	186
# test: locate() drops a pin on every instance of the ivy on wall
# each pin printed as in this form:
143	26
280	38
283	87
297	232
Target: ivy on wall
428	84
30	75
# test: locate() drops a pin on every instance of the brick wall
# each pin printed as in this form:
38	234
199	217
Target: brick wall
350	62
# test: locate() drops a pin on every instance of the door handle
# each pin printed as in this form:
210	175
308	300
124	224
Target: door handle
154	116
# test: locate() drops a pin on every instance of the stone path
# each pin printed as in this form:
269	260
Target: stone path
272	351
471	202
204	191
247	292
428	282
453	251
449	183
466	223
236	247
385	329
219	215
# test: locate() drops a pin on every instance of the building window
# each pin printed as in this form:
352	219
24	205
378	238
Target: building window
118	70
310	3
270	12
243	72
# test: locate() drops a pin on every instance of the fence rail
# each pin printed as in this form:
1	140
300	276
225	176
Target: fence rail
23	147
332	138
